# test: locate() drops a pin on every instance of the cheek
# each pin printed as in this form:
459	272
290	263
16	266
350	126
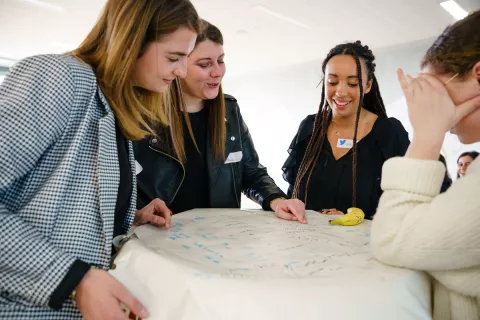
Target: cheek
354	93
329	92
224	69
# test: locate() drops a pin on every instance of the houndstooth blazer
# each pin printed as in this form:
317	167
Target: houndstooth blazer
59	178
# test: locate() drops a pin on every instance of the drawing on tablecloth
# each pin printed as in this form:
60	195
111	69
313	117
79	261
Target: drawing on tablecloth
256	245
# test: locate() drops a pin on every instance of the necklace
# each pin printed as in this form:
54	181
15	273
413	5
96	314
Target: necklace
344	143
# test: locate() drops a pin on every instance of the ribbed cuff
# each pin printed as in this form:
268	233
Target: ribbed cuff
270	198
67	285
412	175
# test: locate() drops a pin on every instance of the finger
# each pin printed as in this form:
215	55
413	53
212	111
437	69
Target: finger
417	86
168	218
297	211
157	220
119	314
433	81
160	207
282	214
464	109
132	303
403	82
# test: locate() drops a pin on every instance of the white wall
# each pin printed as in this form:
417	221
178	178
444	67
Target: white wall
273	104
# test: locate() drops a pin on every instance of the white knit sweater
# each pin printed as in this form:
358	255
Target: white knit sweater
416	227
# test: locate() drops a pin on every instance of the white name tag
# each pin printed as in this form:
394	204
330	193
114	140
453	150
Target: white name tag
345	143
138	168
234	157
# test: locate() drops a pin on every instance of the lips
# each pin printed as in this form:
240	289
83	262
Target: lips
168	81
213	85
341	104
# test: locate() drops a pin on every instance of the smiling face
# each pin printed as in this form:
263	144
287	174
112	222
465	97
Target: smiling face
206	68
462	165
163	61
342	85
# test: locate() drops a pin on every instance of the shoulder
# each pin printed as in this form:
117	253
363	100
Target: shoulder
232	109
52	71
306	128
231	103
229	98
385	125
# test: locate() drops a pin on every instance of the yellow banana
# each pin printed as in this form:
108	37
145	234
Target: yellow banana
353	217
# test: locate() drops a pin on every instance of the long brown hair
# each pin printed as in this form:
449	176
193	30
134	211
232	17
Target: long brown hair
372	102
457	49
216	106
112	47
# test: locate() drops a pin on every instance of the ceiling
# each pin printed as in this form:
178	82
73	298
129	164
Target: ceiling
258	34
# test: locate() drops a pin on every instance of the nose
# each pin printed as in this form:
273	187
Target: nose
180	70
217	71
342	90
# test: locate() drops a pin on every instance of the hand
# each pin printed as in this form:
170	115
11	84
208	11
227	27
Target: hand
156	213
331	211
430	108
99	295
291	209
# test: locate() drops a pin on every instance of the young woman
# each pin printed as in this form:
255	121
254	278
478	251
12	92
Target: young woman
415	226
206	157
336	157
463	161
447	180
67	174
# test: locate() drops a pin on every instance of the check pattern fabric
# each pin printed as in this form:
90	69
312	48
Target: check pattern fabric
59	178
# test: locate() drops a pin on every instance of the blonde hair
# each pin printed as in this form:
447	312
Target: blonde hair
112	47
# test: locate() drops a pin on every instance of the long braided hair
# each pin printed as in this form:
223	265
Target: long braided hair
372	102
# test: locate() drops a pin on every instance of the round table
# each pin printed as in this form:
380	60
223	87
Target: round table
239	264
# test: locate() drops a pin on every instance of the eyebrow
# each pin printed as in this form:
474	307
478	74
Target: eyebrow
178	53
209	59
349	77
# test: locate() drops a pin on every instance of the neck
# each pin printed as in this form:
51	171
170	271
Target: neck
192	104
346	122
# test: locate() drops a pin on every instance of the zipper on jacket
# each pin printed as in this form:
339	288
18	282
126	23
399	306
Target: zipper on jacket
183	168
235	185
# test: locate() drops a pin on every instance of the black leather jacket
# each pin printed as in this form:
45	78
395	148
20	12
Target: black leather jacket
162	173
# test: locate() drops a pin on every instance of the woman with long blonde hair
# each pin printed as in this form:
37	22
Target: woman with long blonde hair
206	157
67	174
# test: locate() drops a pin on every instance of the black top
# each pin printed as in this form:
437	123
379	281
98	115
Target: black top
193	192
331	182
125	186
79	268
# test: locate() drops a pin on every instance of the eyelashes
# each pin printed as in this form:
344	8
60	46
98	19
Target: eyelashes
352	85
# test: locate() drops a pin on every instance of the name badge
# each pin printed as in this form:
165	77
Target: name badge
345	143
234	157
138	167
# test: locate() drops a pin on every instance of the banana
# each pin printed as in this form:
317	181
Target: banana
353	217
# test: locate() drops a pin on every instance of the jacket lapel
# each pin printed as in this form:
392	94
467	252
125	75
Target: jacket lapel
133	198
214	164
108	173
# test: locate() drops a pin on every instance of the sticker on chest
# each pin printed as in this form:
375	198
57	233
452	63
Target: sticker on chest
345	143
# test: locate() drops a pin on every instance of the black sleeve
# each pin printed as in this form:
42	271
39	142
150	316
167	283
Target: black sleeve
296	151
393	139
257	184
290	167
67	285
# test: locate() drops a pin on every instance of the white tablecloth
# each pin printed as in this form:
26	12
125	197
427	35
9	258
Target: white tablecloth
232	264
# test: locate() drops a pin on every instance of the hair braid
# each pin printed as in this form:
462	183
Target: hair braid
372	102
